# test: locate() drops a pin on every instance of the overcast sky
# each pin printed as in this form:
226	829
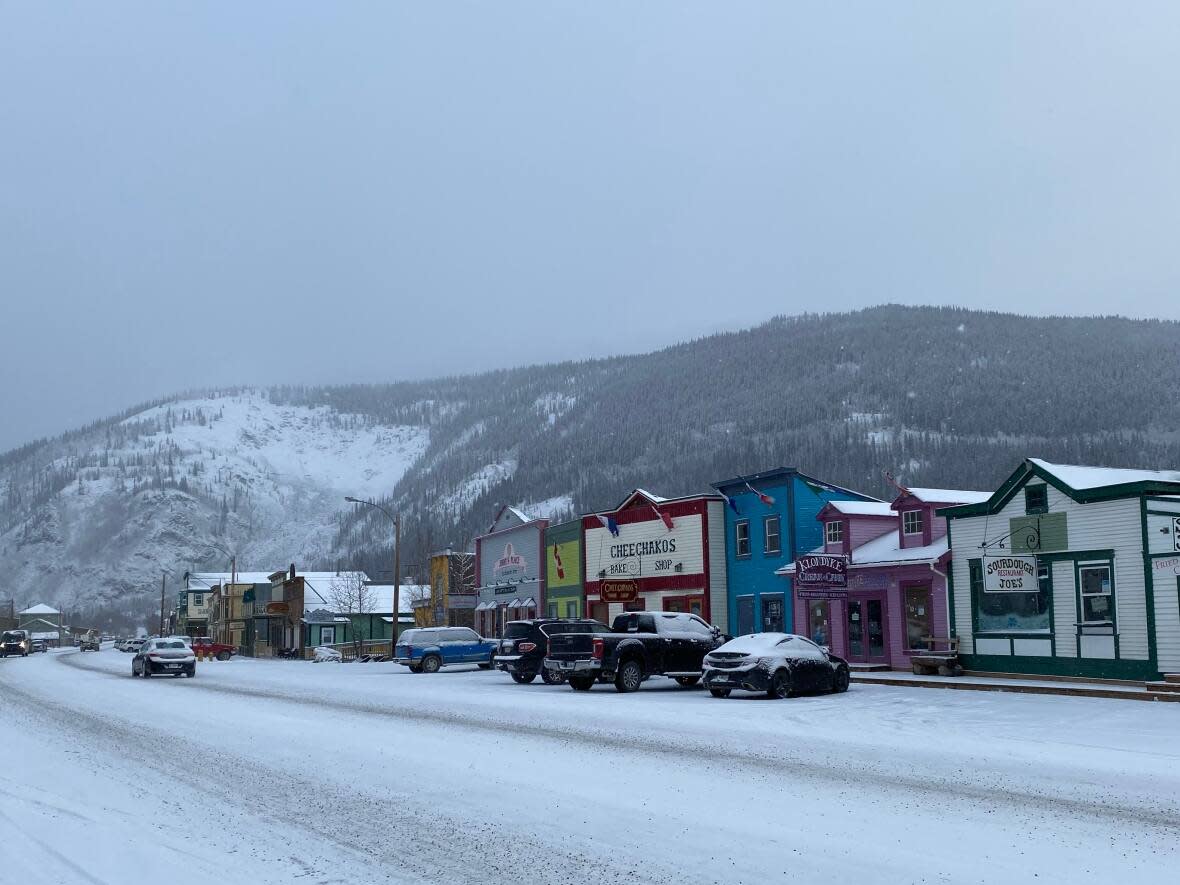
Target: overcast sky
194	194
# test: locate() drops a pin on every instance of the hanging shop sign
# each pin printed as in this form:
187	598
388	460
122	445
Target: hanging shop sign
618	591
277	608
1010	574
821	576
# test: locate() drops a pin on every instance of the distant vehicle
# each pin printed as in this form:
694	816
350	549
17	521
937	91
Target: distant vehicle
168	657
133	645
777	664
106	637
89	642
525	643
39	645
203	645
638	646
15	642
427	649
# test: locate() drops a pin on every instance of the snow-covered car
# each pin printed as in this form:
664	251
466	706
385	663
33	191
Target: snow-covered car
39	645
324	655
777	664
167	657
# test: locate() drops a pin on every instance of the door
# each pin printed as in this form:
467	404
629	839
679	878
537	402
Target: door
919	619
695	605
866	630
745	615
600	611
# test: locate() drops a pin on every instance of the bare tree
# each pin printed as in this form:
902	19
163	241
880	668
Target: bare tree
350	594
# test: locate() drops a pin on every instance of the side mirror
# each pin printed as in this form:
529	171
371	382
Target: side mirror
826	649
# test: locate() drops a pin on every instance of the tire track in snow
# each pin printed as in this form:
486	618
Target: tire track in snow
781	763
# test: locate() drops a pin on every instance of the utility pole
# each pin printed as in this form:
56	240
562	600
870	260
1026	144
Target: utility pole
397	581
163	582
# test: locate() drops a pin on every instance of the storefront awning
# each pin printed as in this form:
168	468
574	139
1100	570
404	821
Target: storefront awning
527	603
514	603
484	606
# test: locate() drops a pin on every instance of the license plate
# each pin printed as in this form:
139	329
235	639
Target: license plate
172	666
566	665
719	679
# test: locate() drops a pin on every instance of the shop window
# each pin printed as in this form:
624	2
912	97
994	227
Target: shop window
773	613
919	619
911	522
745	615
834	532
819	623
571	608
1011	611
741	537
1036	499
635	605
553	610
1097	591
771	530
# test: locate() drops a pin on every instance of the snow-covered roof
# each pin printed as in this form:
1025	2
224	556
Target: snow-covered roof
1080	477
884	551
949	496
657	498
202	581
863	508
40	609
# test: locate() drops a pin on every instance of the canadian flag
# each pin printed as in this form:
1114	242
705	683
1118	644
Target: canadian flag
557	560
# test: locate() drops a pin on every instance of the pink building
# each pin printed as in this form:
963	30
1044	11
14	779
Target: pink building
897	559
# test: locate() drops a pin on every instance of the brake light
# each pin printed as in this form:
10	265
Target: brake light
526	646
598	649
548	647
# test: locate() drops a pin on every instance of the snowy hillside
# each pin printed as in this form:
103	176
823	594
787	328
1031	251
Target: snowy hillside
164	487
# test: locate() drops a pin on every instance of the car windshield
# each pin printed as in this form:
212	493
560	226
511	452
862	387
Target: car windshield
12	637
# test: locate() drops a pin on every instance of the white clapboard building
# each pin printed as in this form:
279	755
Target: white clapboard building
1069	571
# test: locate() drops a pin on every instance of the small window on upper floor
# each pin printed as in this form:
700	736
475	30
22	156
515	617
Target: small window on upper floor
834	532
911	522
741	538
1036	499
773	541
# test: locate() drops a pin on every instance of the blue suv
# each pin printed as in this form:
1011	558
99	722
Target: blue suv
426	649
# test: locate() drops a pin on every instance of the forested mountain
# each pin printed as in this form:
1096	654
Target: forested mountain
938	396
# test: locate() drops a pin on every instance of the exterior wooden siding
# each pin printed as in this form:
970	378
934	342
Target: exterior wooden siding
1099	526
1165	576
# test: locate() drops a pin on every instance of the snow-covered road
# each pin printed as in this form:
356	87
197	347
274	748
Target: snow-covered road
280	772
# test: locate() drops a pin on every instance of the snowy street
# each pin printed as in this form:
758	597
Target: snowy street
279	772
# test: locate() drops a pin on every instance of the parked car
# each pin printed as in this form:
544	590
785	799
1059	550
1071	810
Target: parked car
525	643
777	664
639	645
426	649
203	645
15	642
39	645
133	645
169	657
89	642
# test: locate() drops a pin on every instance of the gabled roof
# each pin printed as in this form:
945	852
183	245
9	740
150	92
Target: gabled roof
644	495
205	581
40	609
861	508
753	479
1081	483
508	517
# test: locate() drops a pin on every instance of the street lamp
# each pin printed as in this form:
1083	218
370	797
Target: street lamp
233	580
397	563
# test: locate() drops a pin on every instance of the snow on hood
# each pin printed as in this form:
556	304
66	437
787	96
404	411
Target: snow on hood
754	643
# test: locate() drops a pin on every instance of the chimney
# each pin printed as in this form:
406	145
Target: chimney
292	571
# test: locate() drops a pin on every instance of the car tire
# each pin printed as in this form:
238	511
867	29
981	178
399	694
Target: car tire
580	683
719	692
552	677
431	664
487	665
840	680
189	674
687	681
780	685
629	677
523	678
223	656
147	671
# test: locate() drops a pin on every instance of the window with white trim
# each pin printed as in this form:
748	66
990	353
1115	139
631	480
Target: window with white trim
773	534
327	635
834	532
1097	591
911	522
741	537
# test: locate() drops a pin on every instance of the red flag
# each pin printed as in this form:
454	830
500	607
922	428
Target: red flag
557	559
664	516
762	496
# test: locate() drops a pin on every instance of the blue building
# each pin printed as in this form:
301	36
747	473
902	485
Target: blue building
771	518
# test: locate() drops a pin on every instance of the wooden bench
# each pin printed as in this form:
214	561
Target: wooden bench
940	656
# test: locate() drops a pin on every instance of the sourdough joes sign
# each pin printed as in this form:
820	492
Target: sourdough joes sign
821	576
1010	574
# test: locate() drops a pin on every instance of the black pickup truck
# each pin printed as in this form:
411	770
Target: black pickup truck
639	645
